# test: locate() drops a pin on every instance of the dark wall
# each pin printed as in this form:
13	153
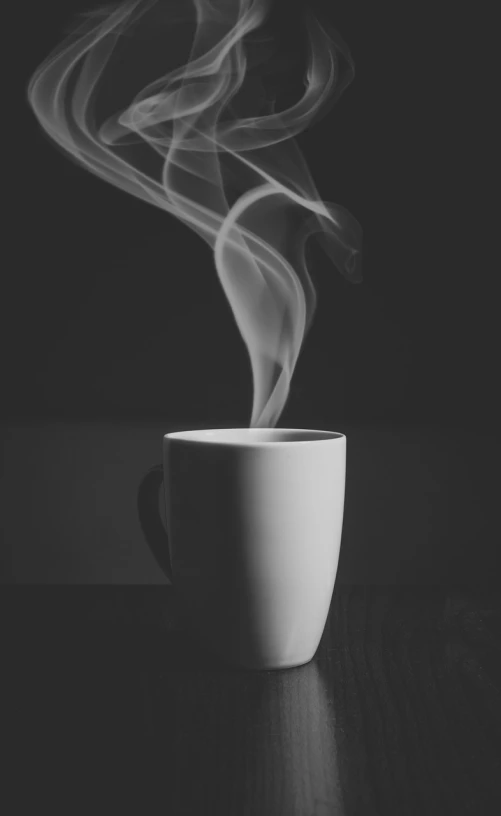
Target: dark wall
113	308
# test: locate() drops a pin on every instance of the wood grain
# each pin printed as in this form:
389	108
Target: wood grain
399	712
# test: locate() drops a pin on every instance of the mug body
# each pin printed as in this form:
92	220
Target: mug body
254	519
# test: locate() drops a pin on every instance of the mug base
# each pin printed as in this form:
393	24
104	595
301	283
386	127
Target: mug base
276	665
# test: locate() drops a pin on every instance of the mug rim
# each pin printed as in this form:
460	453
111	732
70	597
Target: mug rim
211	436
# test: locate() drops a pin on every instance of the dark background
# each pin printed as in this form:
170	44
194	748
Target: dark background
112	308
116	330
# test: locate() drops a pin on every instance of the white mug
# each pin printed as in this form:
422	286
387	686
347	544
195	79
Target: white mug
254	522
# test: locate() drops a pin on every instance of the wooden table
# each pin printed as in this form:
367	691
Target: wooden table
398	713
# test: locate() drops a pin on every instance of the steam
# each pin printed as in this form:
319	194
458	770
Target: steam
240	182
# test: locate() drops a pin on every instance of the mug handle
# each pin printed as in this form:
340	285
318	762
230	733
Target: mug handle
150	519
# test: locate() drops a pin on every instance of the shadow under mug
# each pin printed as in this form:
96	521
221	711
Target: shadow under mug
254	521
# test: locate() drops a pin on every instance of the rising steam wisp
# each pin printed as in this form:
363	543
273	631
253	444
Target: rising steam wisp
240	182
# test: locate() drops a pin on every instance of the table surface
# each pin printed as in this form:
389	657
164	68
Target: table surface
398	713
